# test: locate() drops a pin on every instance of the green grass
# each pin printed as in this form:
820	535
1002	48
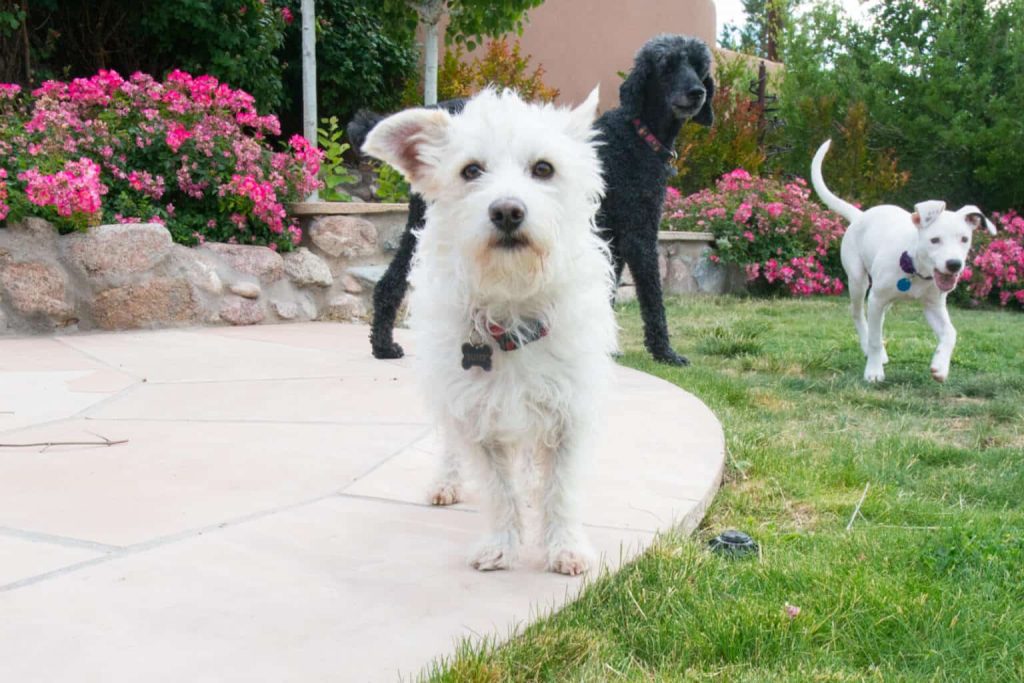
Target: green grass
928	585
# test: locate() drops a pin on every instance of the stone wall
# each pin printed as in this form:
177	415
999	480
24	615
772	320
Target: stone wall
132	276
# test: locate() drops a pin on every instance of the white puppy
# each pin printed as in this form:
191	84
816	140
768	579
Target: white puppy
510	303
901	255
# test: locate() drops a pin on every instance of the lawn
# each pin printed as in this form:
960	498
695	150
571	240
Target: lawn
927	585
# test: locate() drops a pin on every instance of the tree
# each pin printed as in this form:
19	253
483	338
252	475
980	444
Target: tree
763	28
469	20
941	83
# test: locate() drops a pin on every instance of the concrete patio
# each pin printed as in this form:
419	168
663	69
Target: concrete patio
265	517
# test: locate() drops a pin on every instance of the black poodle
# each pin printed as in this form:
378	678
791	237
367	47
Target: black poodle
670	83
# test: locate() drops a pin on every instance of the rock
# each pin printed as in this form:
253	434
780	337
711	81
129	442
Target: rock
239	311
39	230
197	267
306	268
351	285
344	307
156	302
344	236
117	251
245	289
303	308
286	310
261	262
34	288
368	274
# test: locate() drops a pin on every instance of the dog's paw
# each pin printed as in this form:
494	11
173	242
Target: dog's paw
939	374
670	357
388	351
494	553
445	493
570	561
873	375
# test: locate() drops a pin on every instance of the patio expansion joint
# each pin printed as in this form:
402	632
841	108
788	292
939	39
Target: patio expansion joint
187	420
52	539
113	552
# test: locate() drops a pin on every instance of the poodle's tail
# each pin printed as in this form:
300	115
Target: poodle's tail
360	126
843	208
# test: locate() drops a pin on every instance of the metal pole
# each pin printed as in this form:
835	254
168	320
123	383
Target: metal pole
430	65
309	119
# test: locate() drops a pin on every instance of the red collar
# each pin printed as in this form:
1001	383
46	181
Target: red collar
510	340
664	153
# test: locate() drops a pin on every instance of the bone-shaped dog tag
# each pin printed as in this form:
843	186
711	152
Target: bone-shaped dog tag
476	354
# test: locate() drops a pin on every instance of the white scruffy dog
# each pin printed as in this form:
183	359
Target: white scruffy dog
901	255
510	303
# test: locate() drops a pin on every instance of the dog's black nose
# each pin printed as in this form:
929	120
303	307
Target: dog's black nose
695	93
954	265
507	214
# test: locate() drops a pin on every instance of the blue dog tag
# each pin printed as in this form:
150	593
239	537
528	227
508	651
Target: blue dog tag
903	284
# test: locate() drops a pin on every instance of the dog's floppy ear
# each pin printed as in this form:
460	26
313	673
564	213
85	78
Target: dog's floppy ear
631	92
706	115
581	119
976	219
409	141
925	213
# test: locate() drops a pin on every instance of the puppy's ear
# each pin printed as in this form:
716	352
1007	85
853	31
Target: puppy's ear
581	119
706	115
976	219
410	141
631	92
925	213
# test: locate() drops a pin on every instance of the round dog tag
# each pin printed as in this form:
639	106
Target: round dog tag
903	284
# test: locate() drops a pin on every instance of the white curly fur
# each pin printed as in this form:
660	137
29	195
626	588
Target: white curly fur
544	398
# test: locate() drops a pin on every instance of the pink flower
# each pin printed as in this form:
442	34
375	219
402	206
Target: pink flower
286	14
792	611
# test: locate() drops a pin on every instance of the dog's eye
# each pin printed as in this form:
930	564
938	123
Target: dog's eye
935	240
543	170
472	171
965	240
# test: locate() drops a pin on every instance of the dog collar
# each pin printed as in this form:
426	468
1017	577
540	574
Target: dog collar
664	153
510	340
907	266
474	354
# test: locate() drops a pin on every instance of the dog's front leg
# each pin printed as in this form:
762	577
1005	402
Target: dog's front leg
874	371
498	550
447	486
568	550
938	317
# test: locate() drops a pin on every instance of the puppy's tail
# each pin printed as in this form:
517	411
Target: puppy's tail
843	208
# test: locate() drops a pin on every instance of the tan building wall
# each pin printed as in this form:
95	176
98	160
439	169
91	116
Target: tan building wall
582	43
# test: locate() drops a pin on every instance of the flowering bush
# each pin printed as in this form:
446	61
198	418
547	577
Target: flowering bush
189	152
783	241
998	271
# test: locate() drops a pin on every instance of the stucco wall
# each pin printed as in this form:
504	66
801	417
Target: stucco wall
585	42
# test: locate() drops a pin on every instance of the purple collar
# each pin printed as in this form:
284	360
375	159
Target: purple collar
907	266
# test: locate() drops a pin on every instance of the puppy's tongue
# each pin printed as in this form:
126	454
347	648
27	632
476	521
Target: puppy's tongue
946	281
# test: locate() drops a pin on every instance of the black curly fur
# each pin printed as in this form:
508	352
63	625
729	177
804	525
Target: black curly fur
390	289
661	91
669	84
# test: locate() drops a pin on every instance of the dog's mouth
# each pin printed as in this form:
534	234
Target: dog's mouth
511	242
945	281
